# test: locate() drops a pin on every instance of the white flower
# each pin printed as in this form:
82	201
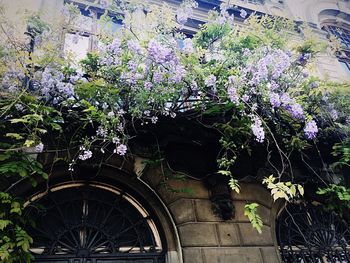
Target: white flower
87	154
154	119
121	149
39	148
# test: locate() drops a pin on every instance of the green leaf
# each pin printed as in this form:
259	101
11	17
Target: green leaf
29	143
4	224
18	120
233	183
5	156
16	208
14	135
301	189
223	172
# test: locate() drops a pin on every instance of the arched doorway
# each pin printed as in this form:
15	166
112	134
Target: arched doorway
92	222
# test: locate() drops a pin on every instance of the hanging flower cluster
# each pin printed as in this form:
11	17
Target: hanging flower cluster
148	76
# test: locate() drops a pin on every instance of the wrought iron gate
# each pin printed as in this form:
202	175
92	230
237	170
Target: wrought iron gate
93	223
307	233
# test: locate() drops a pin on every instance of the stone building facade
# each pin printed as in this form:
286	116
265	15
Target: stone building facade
189	229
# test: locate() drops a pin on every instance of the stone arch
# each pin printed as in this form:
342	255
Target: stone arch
334	17
314	8
114	177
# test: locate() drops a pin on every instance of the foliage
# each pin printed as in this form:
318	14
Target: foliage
338	197
14	241
284	190
250	210
250	84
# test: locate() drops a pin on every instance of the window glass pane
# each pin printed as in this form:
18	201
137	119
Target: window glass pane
111	26
85	21
76	45
345	66
342	34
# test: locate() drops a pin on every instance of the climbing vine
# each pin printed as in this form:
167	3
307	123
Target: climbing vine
252	79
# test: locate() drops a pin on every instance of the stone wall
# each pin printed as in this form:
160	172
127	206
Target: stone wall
205	237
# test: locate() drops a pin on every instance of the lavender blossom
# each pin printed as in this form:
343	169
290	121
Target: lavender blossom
157	77
258	130
311	130
159	53
101	131
210	81
39	148
154	119
121	149
232	94
19	107
134	46
148	85
275	100
185	11
86	154
295	110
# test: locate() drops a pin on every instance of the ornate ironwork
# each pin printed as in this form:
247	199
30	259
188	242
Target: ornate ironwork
307	233
84	223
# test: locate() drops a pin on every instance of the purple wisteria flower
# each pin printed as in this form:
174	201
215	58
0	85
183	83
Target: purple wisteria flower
159	53
272	64
232	94
114	47
154	119
39	148
347	120
295	110
132	65
12	80
257	129
66	89
53	86
275	100
121	149
158	77
245	97
134	46
314	85
101	131
185	11
210	81
110	54
19	107
86	154
148	85
311	130
281	62
177	74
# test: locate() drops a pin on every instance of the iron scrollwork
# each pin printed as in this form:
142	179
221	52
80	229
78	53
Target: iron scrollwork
89	222
307	233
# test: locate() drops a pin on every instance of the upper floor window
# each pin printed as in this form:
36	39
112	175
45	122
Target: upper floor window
84	37
342	33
